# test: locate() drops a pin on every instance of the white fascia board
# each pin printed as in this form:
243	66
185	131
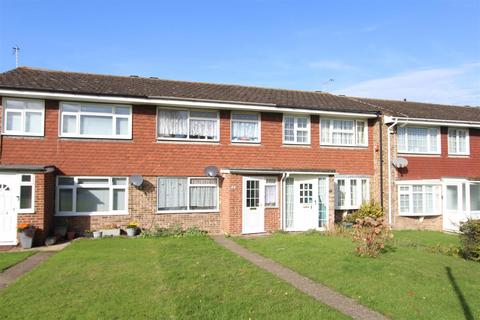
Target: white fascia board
176	103
434	122
266	171
419	182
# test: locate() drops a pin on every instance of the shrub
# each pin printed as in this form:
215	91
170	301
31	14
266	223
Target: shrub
367	209
172	231
470	239
371	234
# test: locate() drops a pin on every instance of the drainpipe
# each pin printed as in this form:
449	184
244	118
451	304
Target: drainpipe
284	188
380	127
389	164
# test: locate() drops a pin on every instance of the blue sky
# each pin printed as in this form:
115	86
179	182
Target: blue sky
419	50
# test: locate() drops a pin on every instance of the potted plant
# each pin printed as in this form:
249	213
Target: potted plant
88	234
26	233
111	231
132	229
70	235
97	234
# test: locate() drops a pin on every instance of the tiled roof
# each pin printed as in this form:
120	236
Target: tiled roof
425	110
27	78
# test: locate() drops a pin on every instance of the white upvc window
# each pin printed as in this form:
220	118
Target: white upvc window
474	193
419	200
351	192
85	196
92	120
271	193
422	140
187	194
343	132
296	129
23	117
458	141
184	124
246	127
27	193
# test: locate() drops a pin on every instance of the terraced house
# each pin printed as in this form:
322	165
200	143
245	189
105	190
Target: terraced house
98	150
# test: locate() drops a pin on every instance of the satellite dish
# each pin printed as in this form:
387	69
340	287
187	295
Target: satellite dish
211	171
400	163
136	180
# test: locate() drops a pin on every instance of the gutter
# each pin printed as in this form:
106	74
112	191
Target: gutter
179	102
380	131
433	122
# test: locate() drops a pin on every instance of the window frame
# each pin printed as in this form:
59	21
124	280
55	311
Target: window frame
348	185
276	192
78	116
188	110
437	199
438	151
467	141
76	186
189	185
355	132
258	121
22	132
30	183
295	128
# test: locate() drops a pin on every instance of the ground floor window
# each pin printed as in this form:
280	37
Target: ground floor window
271	192
187	194
92	195
351	192
27	190
419	199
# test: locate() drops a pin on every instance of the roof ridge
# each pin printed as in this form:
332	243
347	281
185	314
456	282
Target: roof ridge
171	80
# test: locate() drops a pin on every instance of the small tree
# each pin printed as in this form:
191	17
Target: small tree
371	234
470	239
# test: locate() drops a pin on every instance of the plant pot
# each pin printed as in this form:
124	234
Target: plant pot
97	234
26	238
61	231
110	232
131	232
70	235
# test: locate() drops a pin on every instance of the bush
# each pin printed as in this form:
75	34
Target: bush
367	209
172	231
470	240
371	234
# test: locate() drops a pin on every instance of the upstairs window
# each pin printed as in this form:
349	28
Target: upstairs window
84	120
245	127
342	132
23	117
296	129
177	124
418	140
351	192
458	142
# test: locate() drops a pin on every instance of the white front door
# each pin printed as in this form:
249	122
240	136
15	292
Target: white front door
305	214
253	217
454	205
8	208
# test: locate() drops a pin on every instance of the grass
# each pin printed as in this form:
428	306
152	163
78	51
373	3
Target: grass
408	282
9	259
156	278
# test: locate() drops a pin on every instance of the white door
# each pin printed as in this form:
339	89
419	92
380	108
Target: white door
305	216
8	209
253	217
454	206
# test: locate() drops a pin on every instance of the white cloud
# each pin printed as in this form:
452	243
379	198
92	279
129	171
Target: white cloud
457	85
330	65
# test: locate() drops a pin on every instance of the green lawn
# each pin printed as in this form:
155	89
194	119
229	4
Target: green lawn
158	278
409	282
8	259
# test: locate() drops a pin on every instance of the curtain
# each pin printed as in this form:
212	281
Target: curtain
172	123
417	139
325	131
343	132
417	194
289	128
172	193
244	131
203	197
429	199
204	129
452	141
33	122
322	202
365	195
14	121
341	193
270	195
289	203
361	132
353	192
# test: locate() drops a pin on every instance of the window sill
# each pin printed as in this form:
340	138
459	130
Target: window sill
347	208
296	145
407	154
419	214
216	211
90	214
100	139
26	212
460	156
29	136
246	143
184	141
336	146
